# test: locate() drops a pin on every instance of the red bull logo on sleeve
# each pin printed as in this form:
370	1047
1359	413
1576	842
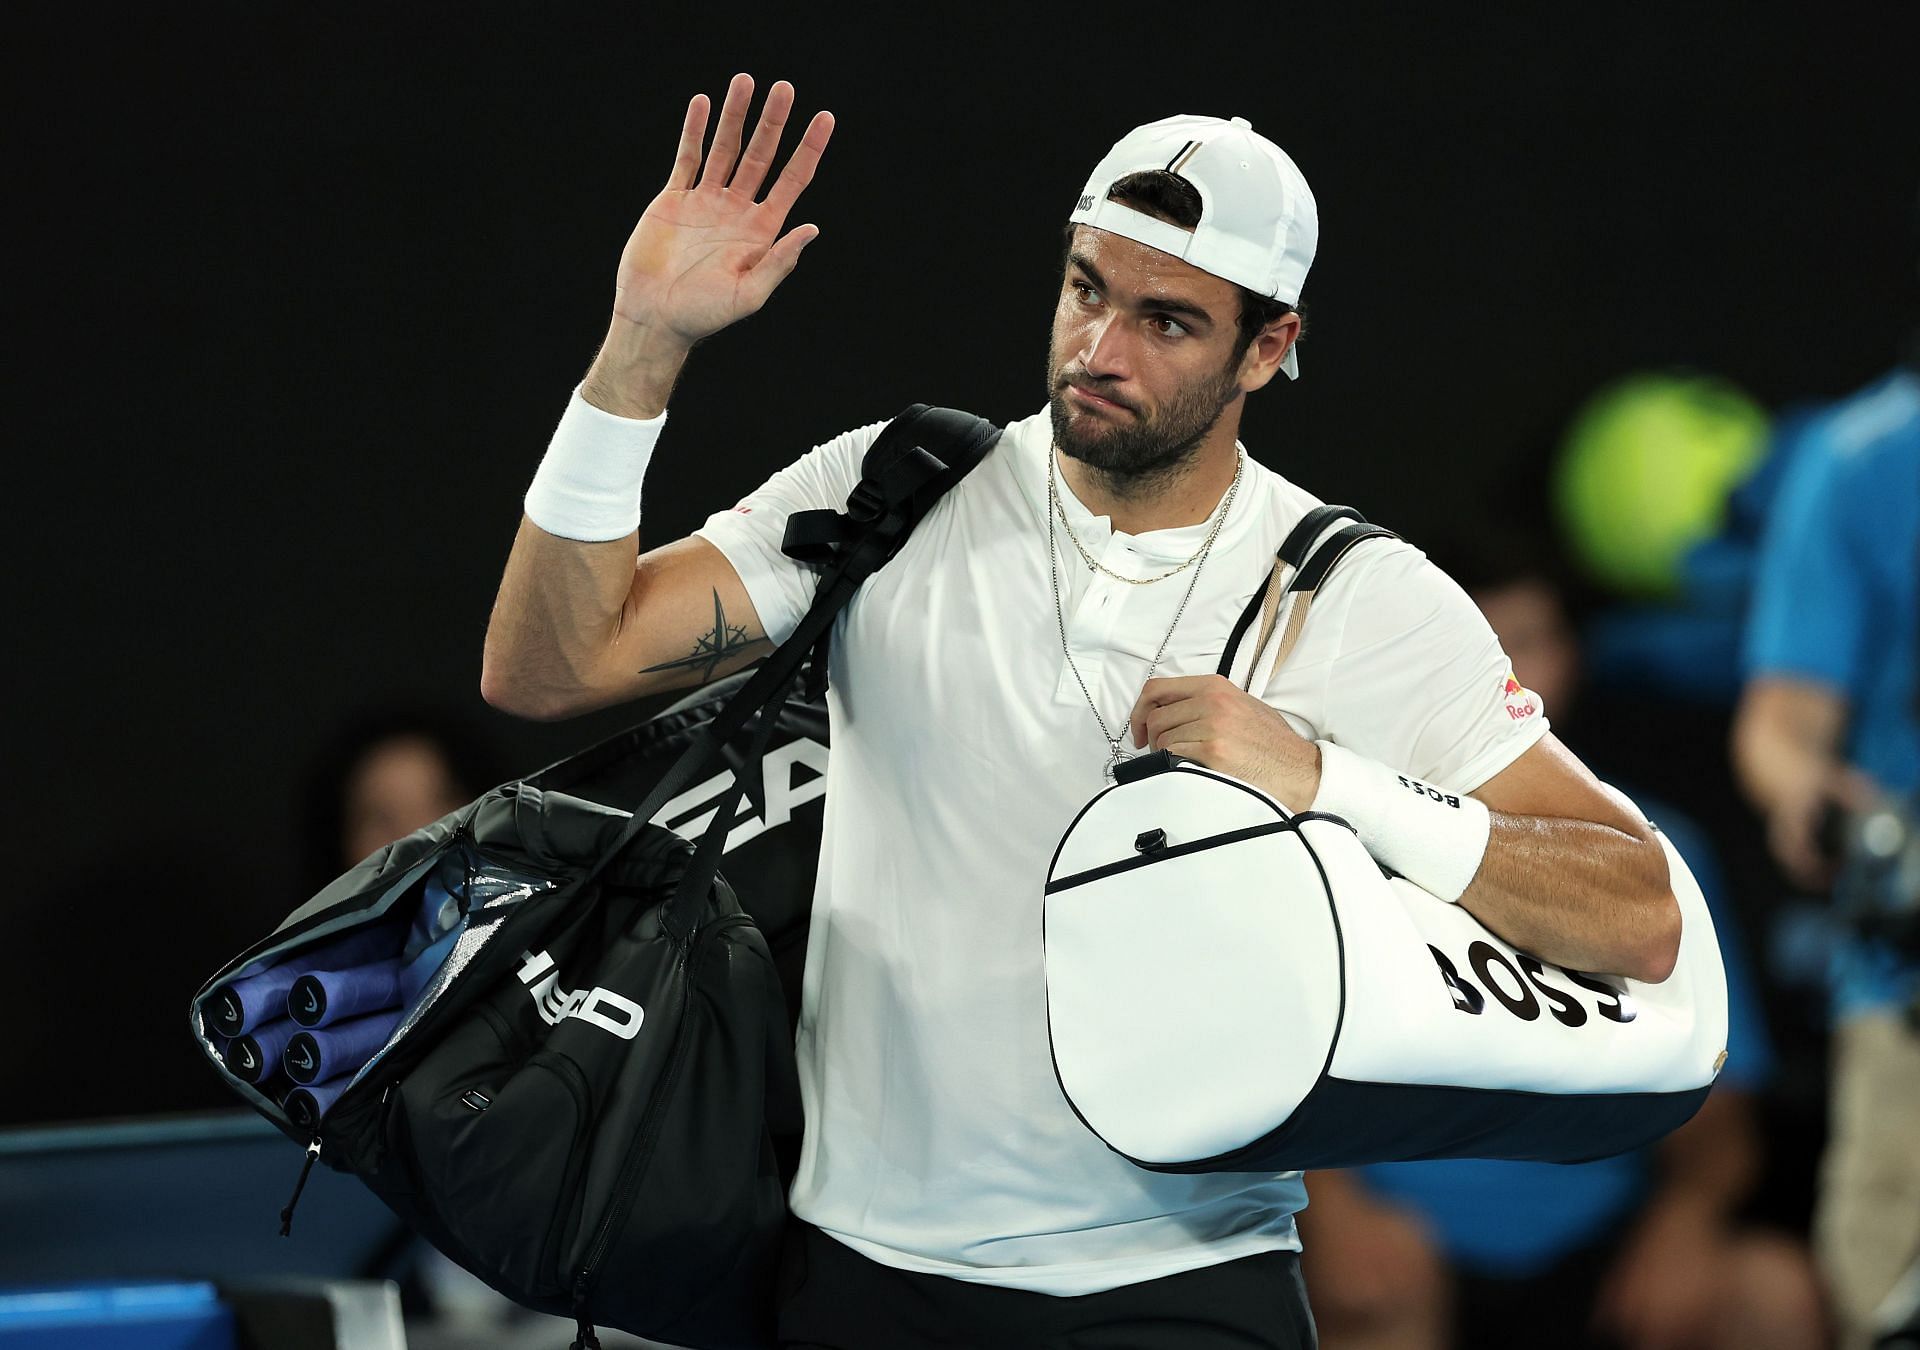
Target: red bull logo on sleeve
1520	701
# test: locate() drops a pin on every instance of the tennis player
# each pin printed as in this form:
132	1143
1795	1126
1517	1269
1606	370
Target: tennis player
1063	607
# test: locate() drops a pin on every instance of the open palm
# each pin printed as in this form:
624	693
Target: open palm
706	252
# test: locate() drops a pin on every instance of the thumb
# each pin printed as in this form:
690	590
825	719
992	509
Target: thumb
779	262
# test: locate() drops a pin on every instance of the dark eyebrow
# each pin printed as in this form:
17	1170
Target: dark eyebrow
1173	308
1080	261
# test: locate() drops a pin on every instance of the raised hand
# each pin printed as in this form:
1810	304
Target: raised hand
706	252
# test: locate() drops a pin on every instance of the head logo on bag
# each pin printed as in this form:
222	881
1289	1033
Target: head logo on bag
596	1007
794	774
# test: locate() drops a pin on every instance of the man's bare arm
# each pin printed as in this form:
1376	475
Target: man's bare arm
565	637
581	623
1570	873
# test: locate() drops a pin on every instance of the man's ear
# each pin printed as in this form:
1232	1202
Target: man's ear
1266	351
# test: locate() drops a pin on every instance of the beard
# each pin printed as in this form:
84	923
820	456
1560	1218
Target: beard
1138	452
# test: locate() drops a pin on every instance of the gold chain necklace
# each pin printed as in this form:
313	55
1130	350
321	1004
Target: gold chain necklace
1239	463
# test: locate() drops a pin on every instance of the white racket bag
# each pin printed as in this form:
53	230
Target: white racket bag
1233	988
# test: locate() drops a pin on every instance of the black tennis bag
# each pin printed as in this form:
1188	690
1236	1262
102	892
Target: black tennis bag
543	1030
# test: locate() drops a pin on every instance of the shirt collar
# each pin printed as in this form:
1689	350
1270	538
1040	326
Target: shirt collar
1032	440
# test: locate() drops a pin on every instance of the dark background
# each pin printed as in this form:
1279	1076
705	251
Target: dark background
297	302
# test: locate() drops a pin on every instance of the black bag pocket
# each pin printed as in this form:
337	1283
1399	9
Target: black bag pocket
495	1135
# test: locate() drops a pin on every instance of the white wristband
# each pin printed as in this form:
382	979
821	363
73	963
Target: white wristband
588	486
1432	837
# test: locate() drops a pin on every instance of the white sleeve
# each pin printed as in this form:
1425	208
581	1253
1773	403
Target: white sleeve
749	535
1419	682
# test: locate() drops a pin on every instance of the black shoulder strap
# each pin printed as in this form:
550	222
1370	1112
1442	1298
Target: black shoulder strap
1314	571
910	465
914	461
1310	569
1293	549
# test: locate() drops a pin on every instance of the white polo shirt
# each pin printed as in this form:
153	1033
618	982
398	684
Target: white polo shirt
937	1137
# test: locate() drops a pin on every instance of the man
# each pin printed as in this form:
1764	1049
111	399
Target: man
1051	614
1828	728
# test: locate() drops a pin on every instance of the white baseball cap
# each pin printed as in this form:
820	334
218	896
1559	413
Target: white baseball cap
1258	223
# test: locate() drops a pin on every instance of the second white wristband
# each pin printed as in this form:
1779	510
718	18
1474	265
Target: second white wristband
588	485
1434	838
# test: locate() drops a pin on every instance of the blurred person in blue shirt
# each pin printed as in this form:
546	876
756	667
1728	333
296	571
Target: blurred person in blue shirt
1827	739
1644	1251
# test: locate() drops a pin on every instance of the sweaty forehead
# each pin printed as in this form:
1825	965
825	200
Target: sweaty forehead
1135	270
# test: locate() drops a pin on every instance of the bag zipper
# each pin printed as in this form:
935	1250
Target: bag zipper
286	1215
1165	853
633	1168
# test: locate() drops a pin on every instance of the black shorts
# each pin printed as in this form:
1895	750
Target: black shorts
833	1298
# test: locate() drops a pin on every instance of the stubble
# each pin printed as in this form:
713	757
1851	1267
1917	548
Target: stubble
1130	455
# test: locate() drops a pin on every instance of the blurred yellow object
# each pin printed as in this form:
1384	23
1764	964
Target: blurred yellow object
1645	472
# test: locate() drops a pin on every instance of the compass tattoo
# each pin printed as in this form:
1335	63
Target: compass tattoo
713	648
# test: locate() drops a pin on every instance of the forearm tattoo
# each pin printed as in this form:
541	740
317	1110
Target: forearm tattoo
713	648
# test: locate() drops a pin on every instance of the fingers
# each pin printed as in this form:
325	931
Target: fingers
749	173
779	262
1154	727
805	159
1164	690
686	160
1137	721
1199	740
726	133
766	139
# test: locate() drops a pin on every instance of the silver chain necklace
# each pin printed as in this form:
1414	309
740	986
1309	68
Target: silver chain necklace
1197	561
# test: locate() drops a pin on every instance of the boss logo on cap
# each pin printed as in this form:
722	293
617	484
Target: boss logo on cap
1086	202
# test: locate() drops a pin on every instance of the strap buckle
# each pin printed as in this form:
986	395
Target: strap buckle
866	502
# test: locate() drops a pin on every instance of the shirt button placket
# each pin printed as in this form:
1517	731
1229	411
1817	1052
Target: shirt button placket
1089	627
